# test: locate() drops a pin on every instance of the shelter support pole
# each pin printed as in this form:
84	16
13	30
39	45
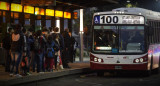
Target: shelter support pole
81	35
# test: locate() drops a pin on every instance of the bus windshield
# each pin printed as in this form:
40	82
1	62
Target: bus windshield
118	39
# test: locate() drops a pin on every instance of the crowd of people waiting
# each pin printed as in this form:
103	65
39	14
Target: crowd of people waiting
40	51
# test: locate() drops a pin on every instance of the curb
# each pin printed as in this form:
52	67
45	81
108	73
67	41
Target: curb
42	76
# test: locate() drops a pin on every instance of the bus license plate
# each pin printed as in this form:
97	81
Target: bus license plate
118	67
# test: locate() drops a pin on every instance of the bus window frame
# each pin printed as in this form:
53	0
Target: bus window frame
99	52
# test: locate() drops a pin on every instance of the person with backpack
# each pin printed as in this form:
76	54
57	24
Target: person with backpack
31	46
7	45
39	47
17	42
24	61
50	53
25	64
45	33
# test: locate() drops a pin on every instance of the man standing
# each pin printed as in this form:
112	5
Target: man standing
39	47
67	43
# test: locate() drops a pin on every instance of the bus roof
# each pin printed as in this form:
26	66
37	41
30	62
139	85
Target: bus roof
149	14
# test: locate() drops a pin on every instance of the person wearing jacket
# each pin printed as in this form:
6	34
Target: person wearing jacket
73	45
39	47
50	54
31	46
67	48
26	51
45	33
59	40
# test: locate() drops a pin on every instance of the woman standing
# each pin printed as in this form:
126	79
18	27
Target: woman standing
17	42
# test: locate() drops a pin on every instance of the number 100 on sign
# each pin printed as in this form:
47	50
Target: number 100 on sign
109	19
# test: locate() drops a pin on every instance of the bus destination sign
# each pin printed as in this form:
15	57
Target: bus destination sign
118	19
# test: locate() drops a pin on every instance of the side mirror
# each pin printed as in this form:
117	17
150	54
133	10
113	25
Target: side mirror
150	30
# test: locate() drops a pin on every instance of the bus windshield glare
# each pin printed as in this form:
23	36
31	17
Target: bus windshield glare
118	39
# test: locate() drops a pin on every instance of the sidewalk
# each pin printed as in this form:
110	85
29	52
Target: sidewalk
78	67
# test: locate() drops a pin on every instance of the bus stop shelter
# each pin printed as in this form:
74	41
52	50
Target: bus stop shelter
7	16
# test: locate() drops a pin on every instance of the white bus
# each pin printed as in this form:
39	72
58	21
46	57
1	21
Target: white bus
126	39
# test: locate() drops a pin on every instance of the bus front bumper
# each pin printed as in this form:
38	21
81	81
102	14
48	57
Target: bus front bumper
97	66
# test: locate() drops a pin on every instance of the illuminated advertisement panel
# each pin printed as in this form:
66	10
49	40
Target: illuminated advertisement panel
16	7
59	13
29	9
39	11
49	12
67	15
4	5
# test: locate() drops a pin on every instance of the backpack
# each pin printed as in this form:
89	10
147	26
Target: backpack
37	43
50	50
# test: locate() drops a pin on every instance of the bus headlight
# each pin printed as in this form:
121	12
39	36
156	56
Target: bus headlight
95	59
137	60
141	59
99	60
